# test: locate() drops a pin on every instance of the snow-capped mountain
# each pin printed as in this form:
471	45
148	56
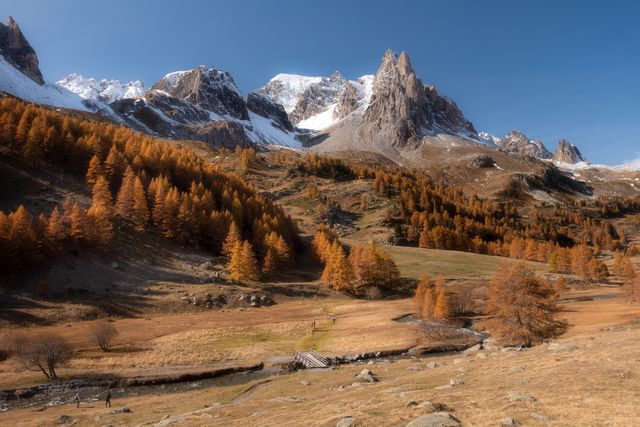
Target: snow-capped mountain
568	153
386	112
517	142
20	73
102	90
207	88
317	103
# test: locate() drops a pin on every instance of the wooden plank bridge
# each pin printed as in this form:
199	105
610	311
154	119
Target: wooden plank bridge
311	359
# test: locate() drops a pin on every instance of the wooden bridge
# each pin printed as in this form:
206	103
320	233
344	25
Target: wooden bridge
311	359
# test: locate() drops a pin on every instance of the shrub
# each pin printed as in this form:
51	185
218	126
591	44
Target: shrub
103	333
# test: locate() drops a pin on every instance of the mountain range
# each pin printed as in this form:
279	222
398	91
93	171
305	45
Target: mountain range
391	113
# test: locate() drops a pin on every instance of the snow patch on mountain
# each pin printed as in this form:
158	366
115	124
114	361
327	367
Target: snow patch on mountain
488	139
261	130
102	90
320	121
286	89
13	81
292	91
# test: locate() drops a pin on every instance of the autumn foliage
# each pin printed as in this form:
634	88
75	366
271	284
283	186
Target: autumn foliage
152	185
522	306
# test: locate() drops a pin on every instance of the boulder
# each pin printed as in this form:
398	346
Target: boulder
516	369
123	410
348	421
432	365
561	348
368	376
63	419
455	381
435	419
516	396
508	422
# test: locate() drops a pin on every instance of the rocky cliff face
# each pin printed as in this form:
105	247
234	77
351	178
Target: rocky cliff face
403	110
347	102
268	108
317	103
16	50
568	153
207	88
519	143
318	97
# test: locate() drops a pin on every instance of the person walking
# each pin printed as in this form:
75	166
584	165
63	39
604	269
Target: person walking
77	399
107	399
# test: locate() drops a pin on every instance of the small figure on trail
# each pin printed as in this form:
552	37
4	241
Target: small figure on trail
107	399
333	319
76	399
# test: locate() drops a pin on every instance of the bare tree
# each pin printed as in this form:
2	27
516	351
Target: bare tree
43	353
103	333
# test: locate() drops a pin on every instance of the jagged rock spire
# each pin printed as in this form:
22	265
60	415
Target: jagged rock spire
16	50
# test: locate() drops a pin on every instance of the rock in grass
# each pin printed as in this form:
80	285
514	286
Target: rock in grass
516	369
123	410
509	422
368	376
63	419
436	419
516	396
347	422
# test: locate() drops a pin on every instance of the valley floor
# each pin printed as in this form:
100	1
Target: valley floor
589	377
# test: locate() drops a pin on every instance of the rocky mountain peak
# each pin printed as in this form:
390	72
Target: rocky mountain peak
518	142
404	64
568	153
403	110
207	88
16	50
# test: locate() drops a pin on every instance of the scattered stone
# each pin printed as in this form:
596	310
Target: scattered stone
115	265
432	365
304	382
435	419
412	403
540	417
622	375
348	421
455	381
63	419
473	349
516	396
207	265
561	348
461	370
123	410
178	419
481	356
511	349
458	361
509	422
368	376
516	369
288	399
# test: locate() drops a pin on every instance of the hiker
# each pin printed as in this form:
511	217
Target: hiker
77	400
107	399
333	319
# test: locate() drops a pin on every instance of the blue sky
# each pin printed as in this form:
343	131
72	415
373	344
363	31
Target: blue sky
551	69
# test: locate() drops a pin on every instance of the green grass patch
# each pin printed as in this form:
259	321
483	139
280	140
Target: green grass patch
414	262
318	339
